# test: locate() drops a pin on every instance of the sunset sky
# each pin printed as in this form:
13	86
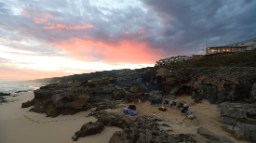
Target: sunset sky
49	38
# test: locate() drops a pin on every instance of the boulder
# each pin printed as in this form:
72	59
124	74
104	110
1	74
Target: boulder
5	94
88	129
27	104
114	119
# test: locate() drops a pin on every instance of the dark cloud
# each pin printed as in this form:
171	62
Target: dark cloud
180	27
216	22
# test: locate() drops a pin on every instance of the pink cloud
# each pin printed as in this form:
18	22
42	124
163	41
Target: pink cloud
127	32
24	13
51	27
47	15
125	51
62	26
141	31
81	27
39	20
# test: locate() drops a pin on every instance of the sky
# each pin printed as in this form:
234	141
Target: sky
53	38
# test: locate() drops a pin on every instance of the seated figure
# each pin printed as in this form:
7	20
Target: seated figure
180	105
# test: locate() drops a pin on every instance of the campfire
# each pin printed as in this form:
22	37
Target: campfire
162	108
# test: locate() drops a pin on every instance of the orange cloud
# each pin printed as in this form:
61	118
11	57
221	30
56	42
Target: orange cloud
61	26
39	20
124	52
141	31
127	32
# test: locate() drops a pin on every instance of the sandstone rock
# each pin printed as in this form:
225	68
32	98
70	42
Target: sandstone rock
88	129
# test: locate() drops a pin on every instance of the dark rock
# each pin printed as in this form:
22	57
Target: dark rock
212	137
88	129
220	85
5	94
140	129
167	125
27	104
240	119
171	97
253	92
155	95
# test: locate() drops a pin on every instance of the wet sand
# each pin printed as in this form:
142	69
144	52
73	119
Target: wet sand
18	125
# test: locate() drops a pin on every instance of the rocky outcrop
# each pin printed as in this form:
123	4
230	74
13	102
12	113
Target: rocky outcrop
155	95
240	119
27	104
147	129
214	84
62	100
88	129
4	94
212	138
66	98
253	92
114	119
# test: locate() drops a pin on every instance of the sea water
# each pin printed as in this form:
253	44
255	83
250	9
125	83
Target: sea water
8	87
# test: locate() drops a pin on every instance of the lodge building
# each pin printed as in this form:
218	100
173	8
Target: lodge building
235	47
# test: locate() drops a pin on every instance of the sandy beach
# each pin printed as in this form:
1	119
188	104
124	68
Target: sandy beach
18	125
207	116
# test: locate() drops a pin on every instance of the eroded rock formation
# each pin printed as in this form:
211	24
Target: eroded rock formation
216	85
88	129
102	93
240	119
146	129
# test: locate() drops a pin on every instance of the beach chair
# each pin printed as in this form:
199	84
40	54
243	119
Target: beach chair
153	102
190	115
166	102
173	103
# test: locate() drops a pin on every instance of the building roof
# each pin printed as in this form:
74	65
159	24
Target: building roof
254	39
227	47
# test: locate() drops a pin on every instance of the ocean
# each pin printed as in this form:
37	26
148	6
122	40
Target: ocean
11	87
